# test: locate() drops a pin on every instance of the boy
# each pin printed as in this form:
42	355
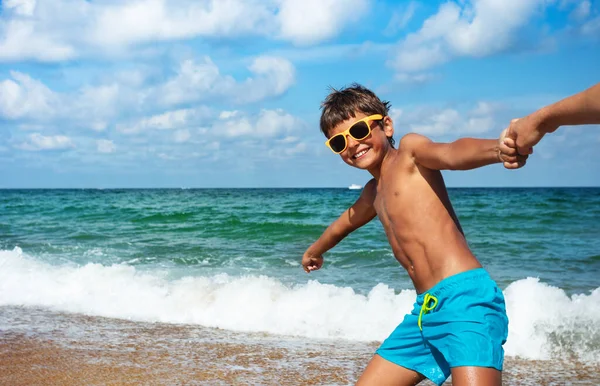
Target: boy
458	324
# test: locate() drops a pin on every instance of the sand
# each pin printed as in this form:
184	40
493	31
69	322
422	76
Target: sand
45	348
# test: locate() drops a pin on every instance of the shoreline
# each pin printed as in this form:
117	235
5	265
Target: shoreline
46	348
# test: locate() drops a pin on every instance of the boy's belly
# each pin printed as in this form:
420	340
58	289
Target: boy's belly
428	266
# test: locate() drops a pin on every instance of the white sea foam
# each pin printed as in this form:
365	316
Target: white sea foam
544	321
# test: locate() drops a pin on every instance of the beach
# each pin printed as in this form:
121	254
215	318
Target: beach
100	351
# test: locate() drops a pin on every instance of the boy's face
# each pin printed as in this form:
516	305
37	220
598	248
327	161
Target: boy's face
366	153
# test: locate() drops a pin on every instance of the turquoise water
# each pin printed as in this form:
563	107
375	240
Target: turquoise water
553	234
230	258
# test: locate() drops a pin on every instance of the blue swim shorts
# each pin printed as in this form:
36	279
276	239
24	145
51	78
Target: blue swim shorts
461	321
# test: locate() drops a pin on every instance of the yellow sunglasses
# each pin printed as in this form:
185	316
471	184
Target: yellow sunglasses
359	130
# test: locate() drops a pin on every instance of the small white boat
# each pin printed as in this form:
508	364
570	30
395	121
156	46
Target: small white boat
355	187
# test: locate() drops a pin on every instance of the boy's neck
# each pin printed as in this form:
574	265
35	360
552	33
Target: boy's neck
376	171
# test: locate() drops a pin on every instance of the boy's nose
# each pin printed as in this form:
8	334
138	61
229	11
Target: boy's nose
351	141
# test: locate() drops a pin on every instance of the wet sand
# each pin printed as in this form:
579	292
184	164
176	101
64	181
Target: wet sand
44	348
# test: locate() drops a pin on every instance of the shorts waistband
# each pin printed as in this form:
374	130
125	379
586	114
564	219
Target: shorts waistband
453	281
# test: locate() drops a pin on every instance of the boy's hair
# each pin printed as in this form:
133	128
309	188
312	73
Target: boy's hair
344	103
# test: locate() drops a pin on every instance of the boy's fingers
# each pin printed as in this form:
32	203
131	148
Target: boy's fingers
507	150
519	162
510	142
511	165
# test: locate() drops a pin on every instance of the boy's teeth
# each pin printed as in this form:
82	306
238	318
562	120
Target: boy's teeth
360	154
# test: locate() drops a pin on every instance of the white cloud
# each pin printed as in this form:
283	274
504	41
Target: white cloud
31	127
98	126
181	136
170	120
228	114
39	30
234	128
100	103
409	78
311	21
274	76
166	157
131	22
55	30
37	142
95	107
272	122
432	121
473	28
485	108
203	80
582	11
400	18
395	114
332	52
592	28
290	139
194	81
288	151
416	58
268	124
105	146
23	96
492	27
20	7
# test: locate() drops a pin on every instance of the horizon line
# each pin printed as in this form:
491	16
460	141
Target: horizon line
283	187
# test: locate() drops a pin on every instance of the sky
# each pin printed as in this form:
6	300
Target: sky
227	93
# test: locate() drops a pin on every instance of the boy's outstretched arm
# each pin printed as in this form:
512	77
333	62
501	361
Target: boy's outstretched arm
462	154
360	213
579	109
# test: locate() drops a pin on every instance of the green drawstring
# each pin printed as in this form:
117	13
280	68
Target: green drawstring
425	308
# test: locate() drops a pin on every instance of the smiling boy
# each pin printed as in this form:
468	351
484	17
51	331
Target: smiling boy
458	324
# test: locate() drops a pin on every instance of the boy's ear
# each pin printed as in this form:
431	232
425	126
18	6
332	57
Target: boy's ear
388	126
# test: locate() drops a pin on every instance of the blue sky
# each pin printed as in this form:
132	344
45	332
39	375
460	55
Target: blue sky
226	93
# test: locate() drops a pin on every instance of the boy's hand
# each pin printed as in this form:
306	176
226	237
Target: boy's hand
311	262
508	153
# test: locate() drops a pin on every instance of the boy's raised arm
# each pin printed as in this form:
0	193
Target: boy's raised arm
360	213
462	154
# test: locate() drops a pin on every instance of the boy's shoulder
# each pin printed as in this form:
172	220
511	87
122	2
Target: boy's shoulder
405	155
412	140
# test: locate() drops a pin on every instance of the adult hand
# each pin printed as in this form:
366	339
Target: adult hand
527	132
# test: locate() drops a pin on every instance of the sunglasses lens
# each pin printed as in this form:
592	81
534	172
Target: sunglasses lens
360	130
337	143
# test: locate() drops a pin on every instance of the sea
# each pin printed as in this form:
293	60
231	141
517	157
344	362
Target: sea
205	286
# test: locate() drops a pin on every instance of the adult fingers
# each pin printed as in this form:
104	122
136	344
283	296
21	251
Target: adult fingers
522	162
523	150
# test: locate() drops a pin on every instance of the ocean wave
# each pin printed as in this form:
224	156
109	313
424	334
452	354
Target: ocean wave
545	322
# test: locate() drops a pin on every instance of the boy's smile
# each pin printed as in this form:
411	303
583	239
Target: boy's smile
361	153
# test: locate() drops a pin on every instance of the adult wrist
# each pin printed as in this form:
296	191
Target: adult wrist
547	119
